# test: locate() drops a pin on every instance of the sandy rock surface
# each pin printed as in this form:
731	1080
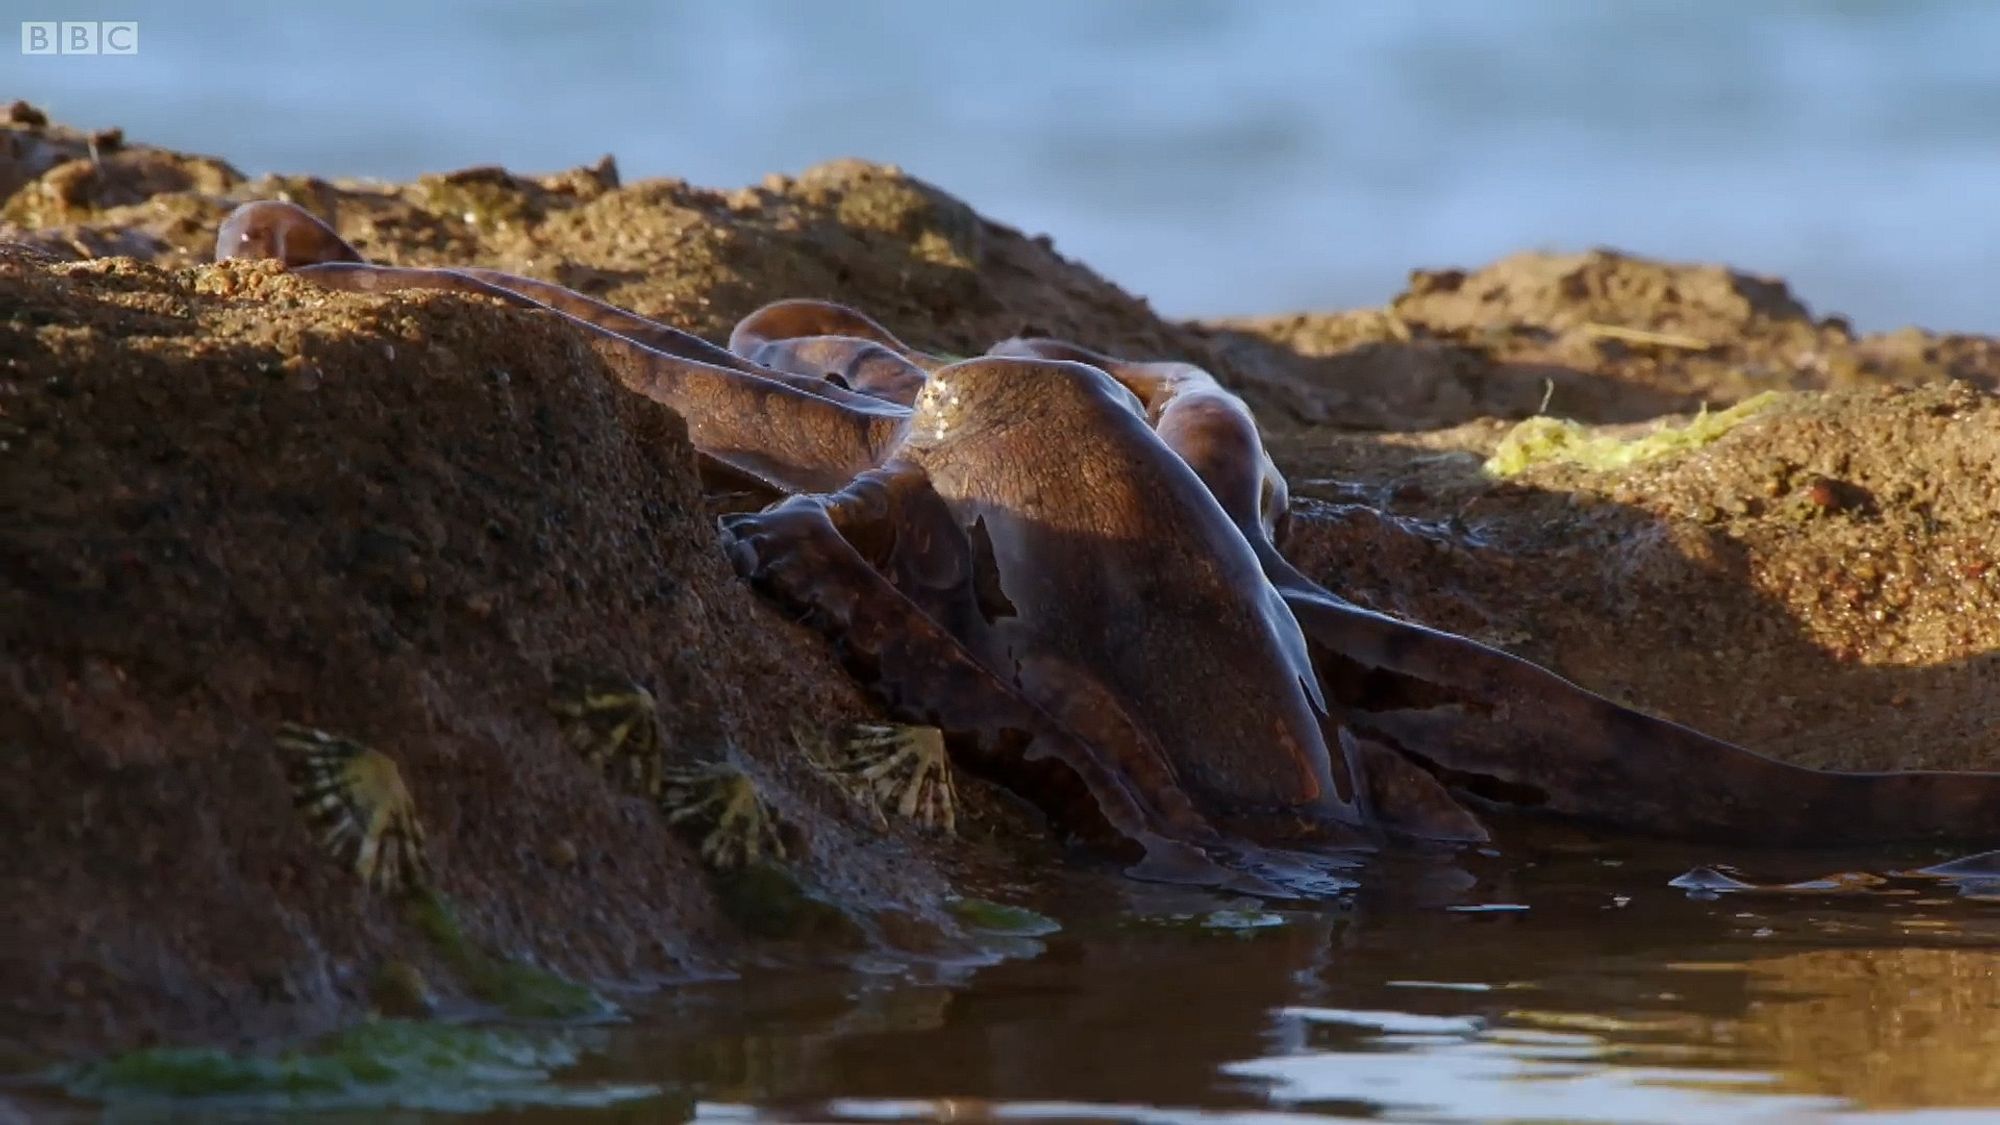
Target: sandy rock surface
237	500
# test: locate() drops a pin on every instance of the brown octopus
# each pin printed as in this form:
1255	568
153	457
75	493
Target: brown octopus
1070	563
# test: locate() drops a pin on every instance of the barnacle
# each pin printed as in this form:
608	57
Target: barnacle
357	804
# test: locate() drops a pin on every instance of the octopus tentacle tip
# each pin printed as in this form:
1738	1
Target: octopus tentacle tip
271	228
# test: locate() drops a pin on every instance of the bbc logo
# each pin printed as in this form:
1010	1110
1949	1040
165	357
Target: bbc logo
88	37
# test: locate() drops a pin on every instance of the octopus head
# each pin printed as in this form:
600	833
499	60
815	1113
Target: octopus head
993	393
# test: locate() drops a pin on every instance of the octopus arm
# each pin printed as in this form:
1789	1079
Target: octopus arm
791	432
1493	725
799	318
795	554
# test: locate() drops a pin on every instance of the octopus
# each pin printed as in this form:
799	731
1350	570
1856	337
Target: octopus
1069	564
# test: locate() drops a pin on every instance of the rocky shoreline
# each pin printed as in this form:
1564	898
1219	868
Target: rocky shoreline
239	501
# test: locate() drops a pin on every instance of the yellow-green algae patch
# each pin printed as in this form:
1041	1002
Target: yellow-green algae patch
1542	439
379	1064
999	918
521	990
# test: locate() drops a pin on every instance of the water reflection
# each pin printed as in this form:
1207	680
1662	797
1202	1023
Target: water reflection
1883	1027
1865	1028
1604	994
1600	992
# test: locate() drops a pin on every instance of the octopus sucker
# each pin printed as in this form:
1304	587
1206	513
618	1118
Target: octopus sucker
358	806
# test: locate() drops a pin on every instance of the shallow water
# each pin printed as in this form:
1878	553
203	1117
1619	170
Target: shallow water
1573	983
1218	157
1239	158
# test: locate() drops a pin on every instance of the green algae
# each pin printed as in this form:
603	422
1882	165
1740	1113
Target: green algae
528	992
521	990
376	1064
767	900
1543	439
399	989
998	918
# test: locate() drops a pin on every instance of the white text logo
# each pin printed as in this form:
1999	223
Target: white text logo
88	37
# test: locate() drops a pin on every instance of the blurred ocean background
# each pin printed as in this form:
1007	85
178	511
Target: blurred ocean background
1220	157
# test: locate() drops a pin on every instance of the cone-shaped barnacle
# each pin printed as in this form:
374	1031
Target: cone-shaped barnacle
359	809
893	767
613	723
720	806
